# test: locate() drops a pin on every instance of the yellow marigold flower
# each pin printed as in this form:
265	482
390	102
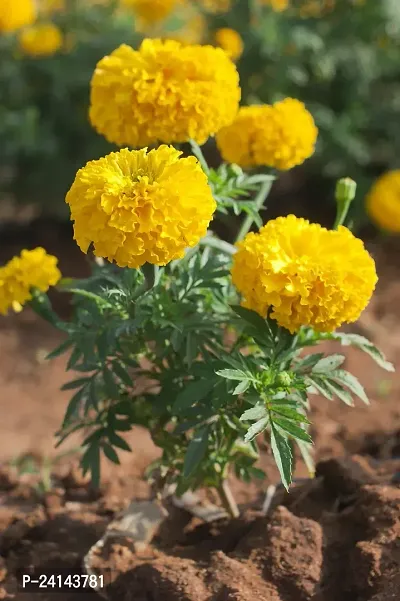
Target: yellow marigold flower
276	5
136	206
165	92
150	11
307	275
15	14
230	41
32	269
44	39
281	135
383	202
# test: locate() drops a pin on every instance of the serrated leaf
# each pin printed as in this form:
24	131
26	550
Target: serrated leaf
365	345
62	348
328	364
195	452
341	393
110	453
347	379
74	358
241	387
112	388
321	387
292	429
74	406
289	413
282	453
232	374
121	372
91	462
193	392
256	429
75	384
253	318
118	441
306	453
308	362
254	413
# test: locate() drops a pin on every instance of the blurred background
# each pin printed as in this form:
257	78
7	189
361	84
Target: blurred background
340	57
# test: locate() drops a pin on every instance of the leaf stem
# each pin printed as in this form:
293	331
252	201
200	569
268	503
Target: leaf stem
213	242
258	201
199	156
227	498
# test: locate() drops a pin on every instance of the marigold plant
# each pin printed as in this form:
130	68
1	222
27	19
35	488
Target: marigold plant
230	41
163	92
160	306
43	39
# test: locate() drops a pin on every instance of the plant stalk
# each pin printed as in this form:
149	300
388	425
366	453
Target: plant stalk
258	201
228	500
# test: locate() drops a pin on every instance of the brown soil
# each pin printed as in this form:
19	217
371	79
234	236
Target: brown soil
335	538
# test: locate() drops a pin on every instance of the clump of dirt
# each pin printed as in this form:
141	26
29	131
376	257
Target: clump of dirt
333	538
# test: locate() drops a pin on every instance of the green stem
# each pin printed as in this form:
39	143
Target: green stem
259	202
341	214
221	245
199	156
228	500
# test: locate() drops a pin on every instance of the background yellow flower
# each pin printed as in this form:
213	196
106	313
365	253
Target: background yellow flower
383	202
43	39
308	275
138	206
150	11
165	92
15	14
281	135
32	269
230	41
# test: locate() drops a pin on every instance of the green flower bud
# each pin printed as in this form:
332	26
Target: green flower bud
345	190
284	378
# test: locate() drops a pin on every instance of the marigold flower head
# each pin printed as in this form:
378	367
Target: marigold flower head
307	275
281	135
383	202
165	92
32	269
15	14
43	39
139	207
276	5
230	41
150	11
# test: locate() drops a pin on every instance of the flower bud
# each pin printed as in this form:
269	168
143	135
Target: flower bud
284	378
345	190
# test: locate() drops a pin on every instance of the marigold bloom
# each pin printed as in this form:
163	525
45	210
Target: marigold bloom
44	39
137	206
150	11
165	92
281	135
307	275
15	14
230	41
276	5
383	202
32	269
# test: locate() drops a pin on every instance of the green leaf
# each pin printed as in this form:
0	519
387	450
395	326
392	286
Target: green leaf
118	441
282	453
196	451
112	388
321	386
308	362
292	429
193	392
365	345
232	374
73	406
256	429
306	453
289	413
254	413
253	318
347	379
241	387
341	393
91	462
62	348
110	453
328	364
75	383
121	372
74	358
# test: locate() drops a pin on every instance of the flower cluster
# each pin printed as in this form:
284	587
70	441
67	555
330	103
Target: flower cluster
307	275
44	39
383	202
230	41
139	207
15	14
281	135
32	269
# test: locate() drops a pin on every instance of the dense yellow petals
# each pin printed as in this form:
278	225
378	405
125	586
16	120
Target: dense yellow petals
307	275
44	39
32	269
136	206
383	202
230	41
150	11
164	92
15	14
281	135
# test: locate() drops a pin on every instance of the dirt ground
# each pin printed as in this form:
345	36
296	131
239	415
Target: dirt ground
336	538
